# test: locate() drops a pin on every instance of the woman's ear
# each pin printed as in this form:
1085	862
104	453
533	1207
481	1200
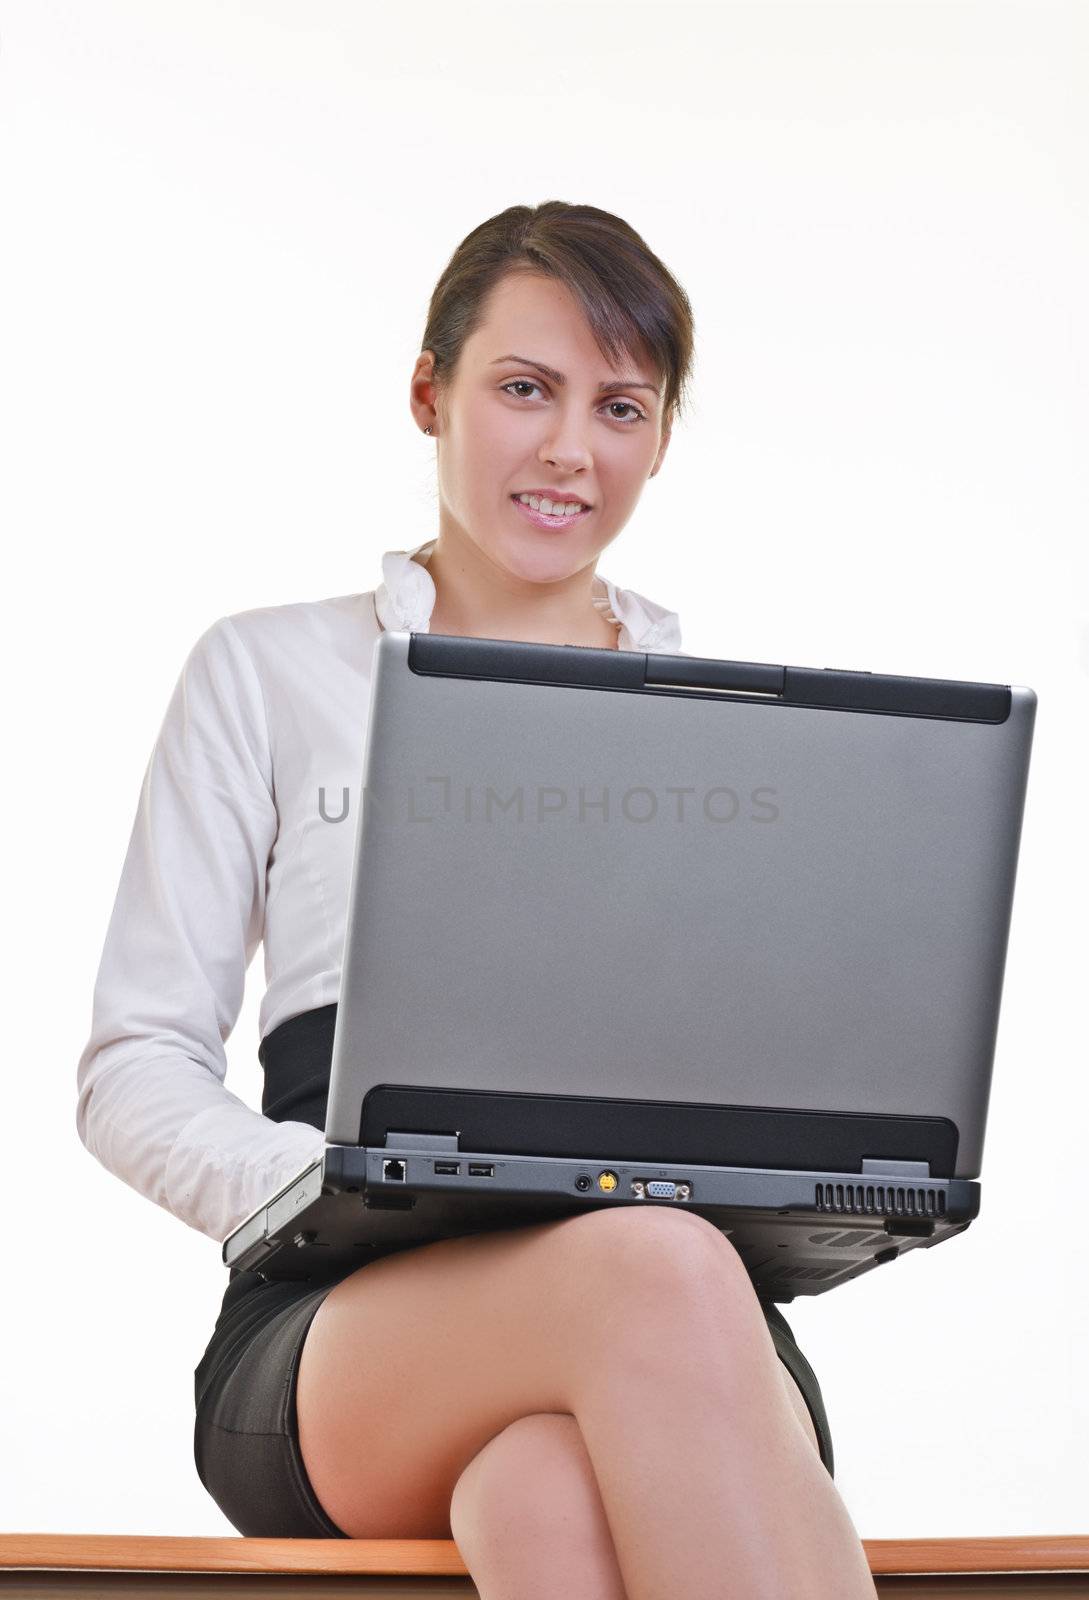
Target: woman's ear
423	394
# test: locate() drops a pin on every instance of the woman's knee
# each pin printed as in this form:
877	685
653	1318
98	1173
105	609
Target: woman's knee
658	1275
653	1245
666	1293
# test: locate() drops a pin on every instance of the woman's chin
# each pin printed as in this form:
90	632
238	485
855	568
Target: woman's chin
543	558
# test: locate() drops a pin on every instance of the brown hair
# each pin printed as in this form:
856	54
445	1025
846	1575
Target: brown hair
632	303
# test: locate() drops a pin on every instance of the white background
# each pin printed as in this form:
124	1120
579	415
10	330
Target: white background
221	225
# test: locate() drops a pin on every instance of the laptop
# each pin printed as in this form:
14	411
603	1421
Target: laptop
638	929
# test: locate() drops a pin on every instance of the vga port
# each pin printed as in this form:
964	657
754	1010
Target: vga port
661	1189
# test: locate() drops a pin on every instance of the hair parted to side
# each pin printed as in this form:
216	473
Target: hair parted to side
633	304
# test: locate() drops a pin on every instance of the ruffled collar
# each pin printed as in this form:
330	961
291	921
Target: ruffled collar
405	599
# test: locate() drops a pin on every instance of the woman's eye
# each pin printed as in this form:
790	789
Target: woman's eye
527	383
629	407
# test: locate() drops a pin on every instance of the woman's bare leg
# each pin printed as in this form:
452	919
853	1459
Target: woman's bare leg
555	1539
708	1484
528	1518
642	1325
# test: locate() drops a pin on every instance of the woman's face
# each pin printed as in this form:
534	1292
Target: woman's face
506	427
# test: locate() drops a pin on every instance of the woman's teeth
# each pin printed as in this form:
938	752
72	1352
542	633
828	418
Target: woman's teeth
558	508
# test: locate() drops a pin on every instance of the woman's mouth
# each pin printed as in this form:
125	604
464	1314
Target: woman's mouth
564	520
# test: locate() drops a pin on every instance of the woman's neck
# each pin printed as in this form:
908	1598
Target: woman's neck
475	600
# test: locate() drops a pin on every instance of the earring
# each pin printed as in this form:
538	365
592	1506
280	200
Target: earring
427	430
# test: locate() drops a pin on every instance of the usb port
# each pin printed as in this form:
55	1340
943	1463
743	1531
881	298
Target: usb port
448	1166
478	1169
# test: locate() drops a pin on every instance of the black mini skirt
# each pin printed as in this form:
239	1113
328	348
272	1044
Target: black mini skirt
246	1436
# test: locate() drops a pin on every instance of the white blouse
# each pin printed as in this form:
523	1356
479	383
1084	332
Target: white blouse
236	840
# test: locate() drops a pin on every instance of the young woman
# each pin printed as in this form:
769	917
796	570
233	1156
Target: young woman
598	1407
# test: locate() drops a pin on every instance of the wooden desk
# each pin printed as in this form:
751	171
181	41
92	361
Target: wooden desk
62	1565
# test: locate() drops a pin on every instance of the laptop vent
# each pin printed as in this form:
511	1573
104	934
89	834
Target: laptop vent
853	1239
805	1271
878	1199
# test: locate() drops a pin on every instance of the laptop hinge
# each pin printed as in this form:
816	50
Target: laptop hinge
895	1169
429	1141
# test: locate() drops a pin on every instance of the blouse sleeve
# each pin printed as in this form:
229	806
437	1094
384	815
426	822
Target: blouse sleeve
189	914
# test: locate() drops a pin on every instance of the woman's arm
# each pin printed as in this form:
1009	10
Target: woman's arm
188	917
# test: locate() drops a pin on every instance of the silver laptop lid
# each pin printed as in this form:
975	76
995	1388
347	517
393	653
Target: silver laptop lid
620	877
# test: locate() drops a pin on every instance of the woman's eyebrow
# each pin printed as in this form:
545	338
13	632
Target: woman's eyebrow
558	377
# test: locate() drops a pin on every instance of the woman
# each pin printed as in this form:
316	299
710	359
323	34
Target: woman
468	1388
